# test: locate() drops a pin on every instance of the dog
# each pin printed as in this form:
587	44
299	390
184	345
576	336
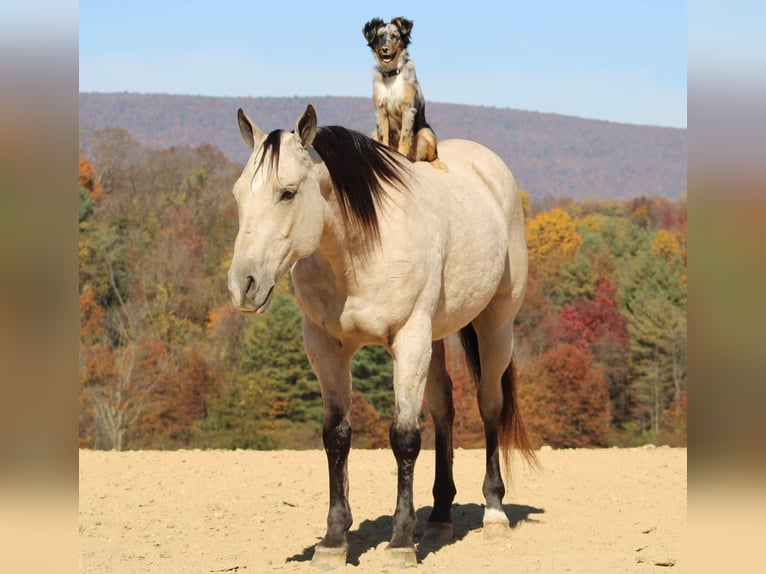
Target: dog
400	109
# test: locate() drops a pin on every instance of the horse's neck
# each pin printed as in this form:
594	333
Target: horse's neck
336	247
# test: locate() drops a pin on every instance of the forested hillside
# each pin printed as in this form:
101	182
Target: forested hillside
552	156
166	361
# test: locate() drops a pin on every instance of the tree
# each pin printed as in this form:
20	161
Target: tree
665	245
141	368
596	325
276	401
654	297
554	252
274	352
372	375
151	248
369	427
159	331
184	398
565	400
86	176
552	233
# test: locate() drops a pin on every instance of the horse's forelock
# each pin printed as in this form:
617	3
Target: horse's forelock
270	148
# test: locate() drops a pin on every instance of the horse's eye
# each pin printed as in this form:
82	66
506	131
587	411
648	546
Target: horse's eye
287	195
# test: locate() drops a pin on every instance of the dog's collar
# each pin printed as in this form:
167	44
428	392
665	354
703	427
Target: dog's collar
394	72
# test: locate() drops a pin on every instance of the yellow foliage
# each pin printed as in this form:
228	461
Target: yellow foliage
552	232
593	222
524	203
665	244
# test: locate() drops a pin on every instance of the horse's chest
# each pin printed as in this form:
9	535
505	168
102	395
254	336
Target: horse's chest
369	314
347	319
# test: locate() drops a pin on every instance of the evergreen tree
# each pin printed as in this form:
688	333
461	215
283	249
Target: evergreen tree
372	373
276	401
274	353
654	298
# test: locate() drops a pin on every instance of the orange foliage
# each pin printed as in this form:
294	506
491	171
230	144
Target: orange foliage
369	427
85	176
565	400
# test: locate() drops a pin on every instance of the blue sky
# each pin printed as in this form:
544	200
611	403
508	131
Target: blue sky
616	60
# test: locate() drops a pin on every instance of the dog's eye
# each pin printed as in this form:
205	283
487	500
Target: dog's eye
287	194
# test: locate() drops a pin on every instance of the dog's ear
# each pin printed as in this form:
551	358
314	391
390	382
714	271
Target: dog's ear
370	30
405	27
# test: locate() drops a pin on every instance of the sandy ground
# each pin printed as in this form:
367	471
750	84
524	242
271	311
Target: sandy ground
586	511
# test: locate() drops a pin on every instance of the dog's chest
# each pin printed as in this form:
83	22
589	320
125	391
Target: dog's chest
390	92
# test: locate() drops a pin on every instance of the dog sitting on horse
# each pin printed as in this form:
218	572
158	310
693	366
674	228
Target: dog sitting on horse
400	109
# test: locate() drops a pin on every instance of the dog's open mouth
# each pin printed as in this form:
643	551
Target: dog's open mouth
386	58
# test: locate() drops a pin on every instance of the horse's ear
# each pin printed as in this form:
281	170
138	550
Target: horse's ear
306	126
251	134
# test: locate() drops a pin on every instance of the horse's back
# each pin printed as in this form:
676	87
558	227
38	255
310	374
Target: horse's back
486	245
478	174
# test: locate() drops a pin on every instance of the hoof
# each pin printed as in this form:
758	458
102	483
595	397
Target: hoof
496	529
438	532
400	557
329	558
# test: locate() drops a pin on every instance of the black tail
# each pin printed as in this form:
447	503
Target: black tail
512	434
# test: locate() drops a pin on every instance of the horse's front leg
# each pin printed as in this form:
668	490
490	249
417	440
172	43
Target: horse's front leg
332	364
411	349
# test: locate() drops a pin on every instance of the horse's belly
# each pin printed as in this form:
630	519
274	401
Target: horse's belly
475	271
462	303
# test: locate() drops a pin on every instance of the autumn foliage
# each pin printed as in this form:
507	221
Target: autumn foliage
566	399
167	362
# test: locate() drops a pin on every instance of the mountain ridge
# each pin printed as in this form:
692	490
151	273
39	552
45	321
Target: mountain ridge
551	155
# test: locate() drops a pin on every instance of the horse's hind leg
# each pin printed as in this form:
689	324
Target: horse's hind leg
332	365
494	346
440	404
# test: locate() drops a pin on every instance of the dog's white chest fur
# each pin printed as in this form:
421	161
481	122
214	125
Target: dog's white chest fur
391	91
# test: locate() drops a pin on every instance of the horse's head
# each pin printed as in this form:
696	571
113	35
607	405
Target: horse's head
280	210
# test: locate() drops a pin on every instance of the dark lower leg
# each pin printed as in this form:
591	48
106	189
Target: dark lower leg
405	442
444	486
337	441
493	487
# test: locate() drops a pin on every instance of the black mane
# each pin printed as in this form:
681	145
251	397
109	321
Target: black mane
358	166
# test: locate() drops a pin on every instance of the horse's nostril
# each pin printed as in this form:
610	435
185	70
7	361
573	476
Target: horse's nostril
250	283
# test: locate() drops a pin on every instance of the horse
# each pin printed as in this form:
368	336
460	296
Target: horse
385	251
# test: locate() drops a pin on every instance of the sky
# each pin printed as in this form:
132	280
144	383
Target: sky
617	60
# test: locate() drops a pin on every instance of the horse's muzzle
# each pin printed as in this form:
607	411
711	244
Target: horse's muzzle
248	295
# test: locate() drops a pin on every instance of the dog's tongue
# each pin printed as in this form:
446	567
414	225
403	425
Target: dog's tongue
387	59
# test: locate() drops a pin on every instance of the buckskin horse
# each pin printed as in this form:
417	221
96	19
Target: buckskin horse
389	252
